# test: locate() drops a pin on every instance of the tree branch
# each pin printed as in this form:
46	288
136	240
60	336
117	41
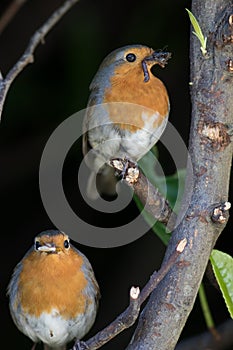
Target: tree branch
10	12
206	340
128	317
123	321
210	149
149	196
28	55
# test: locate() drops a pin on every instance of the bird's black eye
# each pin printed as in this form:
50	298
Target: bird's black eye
37	245
66	244
131	57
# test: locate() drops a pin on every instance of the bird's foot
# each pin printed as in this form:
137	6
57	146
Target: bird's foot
80	345
126	169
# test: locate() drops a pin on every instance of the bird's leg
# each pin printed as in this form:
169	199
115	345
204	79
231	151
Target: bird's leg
34	346
46	347
80	345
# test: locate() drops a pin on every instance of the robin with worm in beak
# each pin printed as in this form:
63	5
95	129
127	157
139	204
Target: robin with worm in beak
53	293
126	113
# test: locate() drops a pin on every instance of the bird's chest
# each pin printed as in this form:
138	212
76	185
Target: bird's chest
131	118
124	130
43	286
151	98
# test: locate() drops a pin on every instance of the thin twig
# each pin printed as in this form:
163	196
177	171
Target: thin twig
123	321
27	56
156	277
128	317
10	12
149	196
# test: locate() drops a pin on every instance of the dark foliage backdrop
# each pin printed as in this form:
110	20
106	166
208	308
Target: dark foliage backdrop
49	91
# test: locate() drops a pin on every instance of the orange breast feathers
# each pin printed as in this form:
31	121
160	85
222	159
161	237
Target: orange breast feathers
128	86
52	281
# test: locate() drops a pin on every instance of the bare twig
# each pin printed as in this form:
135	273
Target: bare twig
123	321
27	56
156	277
150	197
128	317
10	12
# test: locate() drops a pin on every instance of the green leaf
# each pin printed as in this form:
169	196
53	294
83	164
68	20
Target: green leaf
148	163
198	32
171	187
222	264
175	188
205	307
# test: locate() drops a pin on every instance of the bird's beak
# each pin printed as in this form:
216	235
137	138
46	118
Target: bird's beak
48	248
157	57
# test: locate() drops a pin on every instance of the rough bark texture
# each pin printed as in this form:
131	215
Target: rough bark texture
165	315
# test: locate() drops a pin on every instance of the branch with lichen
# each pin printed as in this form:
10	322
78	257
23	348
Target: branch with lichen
210	149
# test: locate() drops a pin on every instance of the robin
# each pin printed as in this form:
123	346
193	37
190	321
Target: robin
127	111
53	293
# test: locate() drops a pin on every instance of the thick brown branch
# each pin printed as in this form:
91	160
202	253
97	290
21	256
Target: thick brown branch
128	317
210	149
27	57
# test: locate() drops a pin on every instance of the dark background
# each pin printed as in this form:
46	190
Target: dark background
50	90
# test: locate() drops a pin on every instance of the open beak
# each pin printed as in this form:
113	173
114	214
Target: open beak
157	57
48	248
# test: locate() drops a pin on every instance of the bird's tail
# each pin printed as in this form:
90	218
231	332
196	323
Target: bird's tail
103	183
46	347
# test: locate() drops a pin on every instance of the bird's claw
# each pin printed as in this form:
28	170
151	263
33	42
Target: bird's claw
80	345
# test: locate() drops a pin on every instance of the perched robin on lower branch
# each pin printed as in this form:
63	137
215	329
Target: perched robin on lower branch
53	292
